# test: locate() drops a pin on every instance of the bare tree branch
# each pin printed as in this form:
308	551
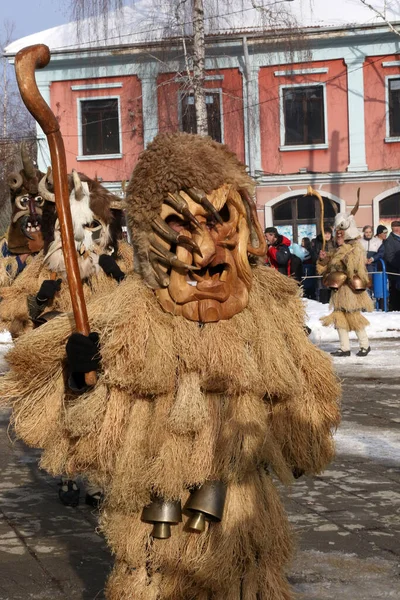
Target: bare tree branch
382	15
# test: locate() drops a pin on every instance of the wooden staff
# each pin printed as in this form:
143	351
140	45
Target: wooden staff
26	61
311	192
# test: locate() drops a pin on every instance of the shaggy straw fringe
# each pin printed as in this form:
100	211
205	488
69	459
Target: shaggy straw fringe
174	406
14	313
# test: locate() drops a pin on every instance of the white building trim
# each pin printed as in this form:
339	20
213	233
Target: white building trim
378	199
294	72
355	96
285	148
391	63
95	86
286	195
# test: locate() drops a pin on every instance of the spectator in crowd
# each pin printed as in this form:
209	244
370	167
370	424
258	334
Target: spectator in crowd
278	253
371	245
392	259
309	285
323	293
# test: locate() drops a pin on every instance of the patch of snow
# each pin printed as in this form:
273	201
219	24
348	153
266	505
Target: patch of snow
377	444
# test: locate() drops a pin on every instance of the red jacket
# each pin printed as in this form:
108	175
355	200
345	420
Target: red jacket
277	258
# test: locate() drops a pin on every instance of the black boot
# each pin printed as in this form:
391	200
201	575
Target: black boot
69	493
364	351
341	353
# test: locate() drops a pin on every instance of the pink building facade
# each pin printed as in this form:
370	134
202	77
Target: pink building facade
325	114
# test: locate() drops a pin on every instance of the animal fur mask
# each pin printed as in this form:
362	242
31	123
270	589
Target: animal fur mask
96	227
24	234
346	222
194	226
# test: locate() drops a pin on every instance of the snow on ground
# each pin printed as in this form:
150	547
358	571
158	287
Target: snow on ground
382	325
377	444
5	345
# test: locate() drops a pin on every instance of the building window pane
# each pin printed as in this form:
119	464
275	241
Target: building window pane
303	110
306	207
100	126
213	107
394	107
283	212
390	207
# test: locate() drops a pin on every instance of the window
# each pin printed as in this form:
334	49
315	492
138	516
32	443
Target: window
303	115
100	126
299	216
188	114
394	107
390	207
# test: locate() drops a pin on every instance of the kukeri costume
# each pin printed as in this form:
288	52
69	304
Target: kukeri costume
345	272
39	294
207	386
23	238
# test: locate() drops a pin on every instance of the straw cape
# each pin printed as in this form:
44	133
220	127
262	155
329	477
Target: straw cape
14	307
242	400
347	305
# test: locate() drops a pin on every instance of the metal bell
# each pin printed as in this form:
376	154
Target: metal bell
357	285
335	280
163	514
205	504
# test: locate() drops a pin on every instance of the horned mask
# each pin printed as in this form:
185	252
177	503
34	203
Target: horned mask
95	223
346	222
24	234
194	226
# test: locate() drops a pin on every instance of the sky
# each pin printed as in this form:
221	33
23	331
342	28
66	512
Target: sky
30	17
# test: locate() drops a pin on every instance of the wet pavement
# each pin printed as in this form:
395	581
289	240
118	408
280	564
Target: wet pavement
346	521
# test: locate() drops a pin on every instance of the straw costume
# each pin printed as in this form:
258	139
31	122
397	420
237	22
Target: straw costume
345	272
191	410
97	227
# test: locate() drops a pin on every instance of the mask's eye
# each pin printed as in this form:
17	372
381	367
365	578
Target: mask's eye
93	226
22	202
39	201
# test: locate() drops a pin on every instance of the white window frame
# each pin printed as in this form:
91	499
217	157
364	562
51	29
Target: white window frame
284	148
389	139
81	156
208	91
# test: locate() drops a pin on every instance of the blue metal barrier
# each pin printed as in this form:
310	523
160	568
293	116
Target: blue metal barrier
380	286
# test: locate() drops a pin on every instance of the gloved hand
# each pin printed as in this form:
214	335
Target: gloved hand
83	352
48	290
110	267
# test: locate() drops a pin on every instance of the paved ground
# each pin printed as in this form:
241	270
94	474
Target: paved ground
347	521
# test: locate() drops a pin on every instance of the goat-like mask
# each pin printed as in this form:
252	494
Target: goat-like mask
346	222
24	234
92	218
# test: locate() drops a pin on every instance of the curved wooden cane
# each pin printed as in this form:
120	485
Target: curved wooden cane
311	192
26	61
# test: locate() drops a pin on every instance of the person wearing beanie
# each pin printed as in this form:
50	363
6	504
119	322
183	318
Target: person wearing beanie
392	259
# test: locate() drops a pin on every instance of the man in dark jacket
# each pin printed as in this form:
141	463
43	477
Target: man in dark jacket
392	259
278	254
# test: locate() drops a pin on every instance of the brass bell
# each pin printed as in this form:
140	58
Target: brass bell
162	514
335	280
357	285
205	504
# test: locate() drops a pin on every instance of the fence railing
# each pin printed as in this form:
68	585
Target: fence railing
380	284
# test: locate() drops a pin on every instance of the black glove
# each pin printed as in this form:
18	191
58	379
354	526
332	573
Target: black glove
83	352
110	267
48	290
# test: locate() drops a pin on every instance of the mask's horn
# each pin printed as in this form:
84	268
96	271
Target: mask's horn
15	180
79	191
42	188
27	162
357	205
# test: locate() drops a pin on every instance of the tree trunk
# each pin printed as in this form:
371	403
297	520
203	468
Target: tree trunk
198	67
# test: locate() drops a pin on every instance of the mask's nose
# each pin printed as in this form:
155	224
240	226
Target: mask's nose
206	244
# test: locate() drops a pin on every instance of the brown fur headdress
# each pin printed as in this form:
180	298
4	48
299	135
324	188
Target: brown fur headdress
171	163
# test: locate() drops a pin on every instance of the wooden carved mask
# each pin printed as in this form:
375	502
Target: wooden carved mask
200	250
